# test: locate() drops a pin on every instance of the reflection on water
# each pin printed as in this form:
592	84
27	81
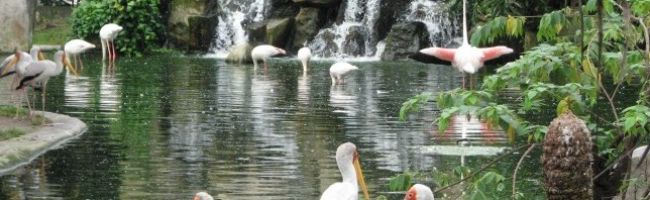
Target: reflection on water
167	127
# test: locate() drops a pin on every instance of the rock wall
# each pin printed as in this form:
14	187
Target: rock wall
17	22
191	23
291	24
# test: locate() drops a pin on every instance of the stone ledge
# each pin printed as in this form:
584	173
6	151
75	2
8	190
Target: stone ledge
22	150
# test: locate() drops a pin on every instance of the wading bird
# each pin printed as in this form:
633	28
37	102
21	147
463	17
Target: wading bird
304	55
16	64
37	73
347	159
107	35
467	58
202	196
74	48
339	70
419	192
263	52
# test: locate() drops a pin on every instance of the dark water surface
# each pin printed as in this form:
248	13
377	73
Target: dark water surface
166	127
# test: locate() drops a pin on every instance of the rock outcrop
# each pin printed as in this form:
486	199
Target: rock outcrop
16	20
191	24
405	39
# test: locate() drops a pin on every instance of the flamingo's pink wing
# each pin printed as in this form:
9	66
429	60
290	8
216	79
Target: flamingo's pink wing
441	53
490	53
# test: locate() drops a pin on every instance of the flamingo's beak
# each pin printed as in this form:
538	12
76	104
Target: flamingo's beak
360	178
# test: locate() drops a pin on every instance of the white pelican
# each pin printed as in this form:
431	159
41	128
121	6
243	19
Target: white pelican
107	35
263	52
419	192
41	71
339	70
467	58
304	54
16	64
347	159
202	196
74	48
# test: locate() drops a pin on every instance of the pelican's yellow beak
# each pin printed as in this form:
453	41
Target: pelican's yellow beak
360	178
41	56
68	66
9	66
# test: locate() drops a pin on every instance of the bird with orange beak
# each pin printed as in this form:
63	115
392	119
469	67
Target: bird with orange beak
347	159
419	192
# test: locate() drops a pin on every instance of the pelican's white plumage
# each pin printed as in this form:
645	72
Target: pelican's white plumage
107	35
466	58
304	55
75	47
347	160
263	52
339	70
202	196
419	192
39	72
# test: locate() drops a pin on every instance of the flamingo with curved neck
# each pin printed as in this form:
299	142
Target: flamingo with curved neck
466	58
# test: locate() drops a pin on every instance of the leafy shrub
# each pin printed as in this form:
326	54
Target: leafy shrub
140	19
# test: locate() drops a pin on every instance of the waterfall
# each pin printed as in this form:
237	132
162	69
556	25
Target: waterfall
442	30
354	36
234	14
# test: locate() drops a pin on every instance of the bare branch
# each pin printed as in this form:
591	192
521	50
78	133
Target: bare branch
514	175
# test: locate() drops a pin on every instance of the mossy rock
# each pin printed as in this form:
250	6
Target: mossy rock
240	53
306	26
277	31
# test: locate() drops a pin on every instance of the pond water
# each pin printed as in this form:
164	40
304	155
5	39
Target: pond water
166	127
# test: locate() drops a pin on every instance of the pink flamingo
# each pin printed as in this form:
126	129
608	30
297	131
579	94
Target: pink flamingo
467	58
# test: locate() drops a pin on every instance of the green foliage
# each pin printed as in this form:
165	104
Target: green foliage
401	182
141	20
497	28
552	24
490	181
413	104
635	120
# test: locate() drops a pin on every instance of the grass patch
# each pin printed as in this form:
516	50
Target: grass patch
11	133
10	111
53	25
38	120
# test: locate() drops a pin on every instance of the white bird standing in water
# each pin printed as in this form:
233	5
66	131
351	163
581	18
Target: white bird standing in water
41	71
74	48
419	192
304	55
202	196
339	70
263	52
347	159
467	58
107	35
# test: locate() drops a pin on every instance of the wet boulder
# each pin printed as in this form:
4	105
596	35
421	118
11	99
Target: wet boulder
355	41
191	23
240	53
16	18
277	31
306	26
405	39
256	33
317	3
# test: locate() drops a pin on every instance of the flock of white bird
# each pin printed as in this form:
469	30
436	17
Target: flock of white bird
33	70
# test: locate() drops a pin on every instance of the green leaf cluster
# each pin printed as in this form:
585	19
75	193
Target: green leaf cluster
141	20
